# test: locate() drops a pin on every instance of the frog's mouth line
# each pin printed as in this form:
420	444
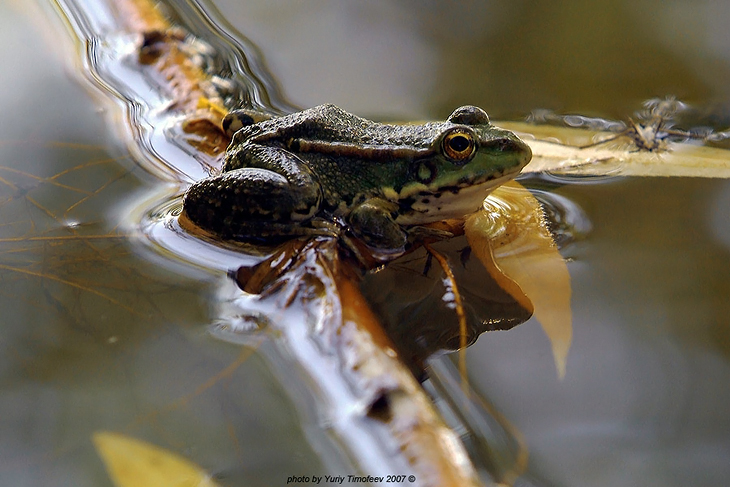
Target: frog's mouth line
418	190
450	202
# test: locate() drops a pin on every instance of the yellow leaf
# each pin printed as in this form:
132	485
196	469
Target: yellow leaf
512	241
135	463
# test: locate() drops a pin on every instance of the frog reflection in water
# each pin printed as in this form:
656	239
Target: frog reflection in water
290	175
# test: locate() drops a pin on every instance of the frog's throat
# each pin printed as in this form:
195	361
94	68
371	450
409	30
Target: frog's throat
454	185
424	206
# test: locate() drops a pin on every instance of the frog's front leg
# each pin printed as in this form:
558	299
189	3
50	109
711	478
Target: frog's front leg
373	221
256	203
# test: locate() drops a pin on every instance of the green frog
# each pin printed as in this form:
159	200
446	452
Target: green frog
300	173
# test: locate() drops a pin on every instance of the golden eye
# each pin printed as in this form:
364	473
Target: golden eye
458	145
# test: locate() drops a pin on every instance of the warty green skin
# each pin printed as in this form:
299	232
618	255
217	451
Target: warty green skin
281	174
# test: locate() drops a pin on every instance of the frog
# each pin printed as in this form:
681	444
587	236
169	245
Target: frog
298	174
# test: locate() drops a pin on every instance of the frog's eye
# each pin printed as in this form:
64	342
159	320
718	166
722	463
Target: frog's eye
243	117
235	121
458	145
469	115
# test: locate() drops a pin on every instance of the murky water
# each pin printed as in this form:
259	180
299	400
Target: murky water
106	303
98	331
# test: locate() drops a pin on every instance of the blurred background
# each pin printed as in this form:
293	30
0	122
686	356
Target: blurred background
406	59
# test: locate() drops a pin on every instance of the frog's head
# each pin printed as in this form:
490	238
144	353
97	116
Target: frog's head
468	159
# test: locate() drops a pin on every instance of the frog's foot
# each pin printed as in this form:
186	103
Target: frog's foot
418	233
253	203
373	222
358	247
366	254
323	227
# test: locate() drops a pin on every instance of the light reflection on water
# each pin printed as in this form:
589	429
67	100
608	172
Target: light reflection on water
567	221
160	229
95	334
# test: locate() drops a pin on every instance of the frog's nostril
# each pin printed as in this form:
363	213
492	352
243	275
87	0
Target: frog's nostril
503	145
509	145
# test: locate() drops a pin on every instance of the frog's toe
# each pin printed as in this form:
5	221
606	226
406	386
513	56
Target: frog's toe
380	235
324	227
428	233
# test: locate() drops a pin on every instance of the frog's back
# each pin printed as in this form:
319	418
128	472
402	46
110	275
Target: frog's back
329	123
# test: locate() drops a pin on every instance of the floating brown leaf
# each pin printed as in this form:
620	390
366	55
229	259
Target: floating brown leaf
512	241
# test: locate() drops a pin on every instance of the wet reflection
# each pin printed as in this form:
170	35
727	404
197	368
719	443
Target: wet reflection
567	221
93	335
645	375
412	300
